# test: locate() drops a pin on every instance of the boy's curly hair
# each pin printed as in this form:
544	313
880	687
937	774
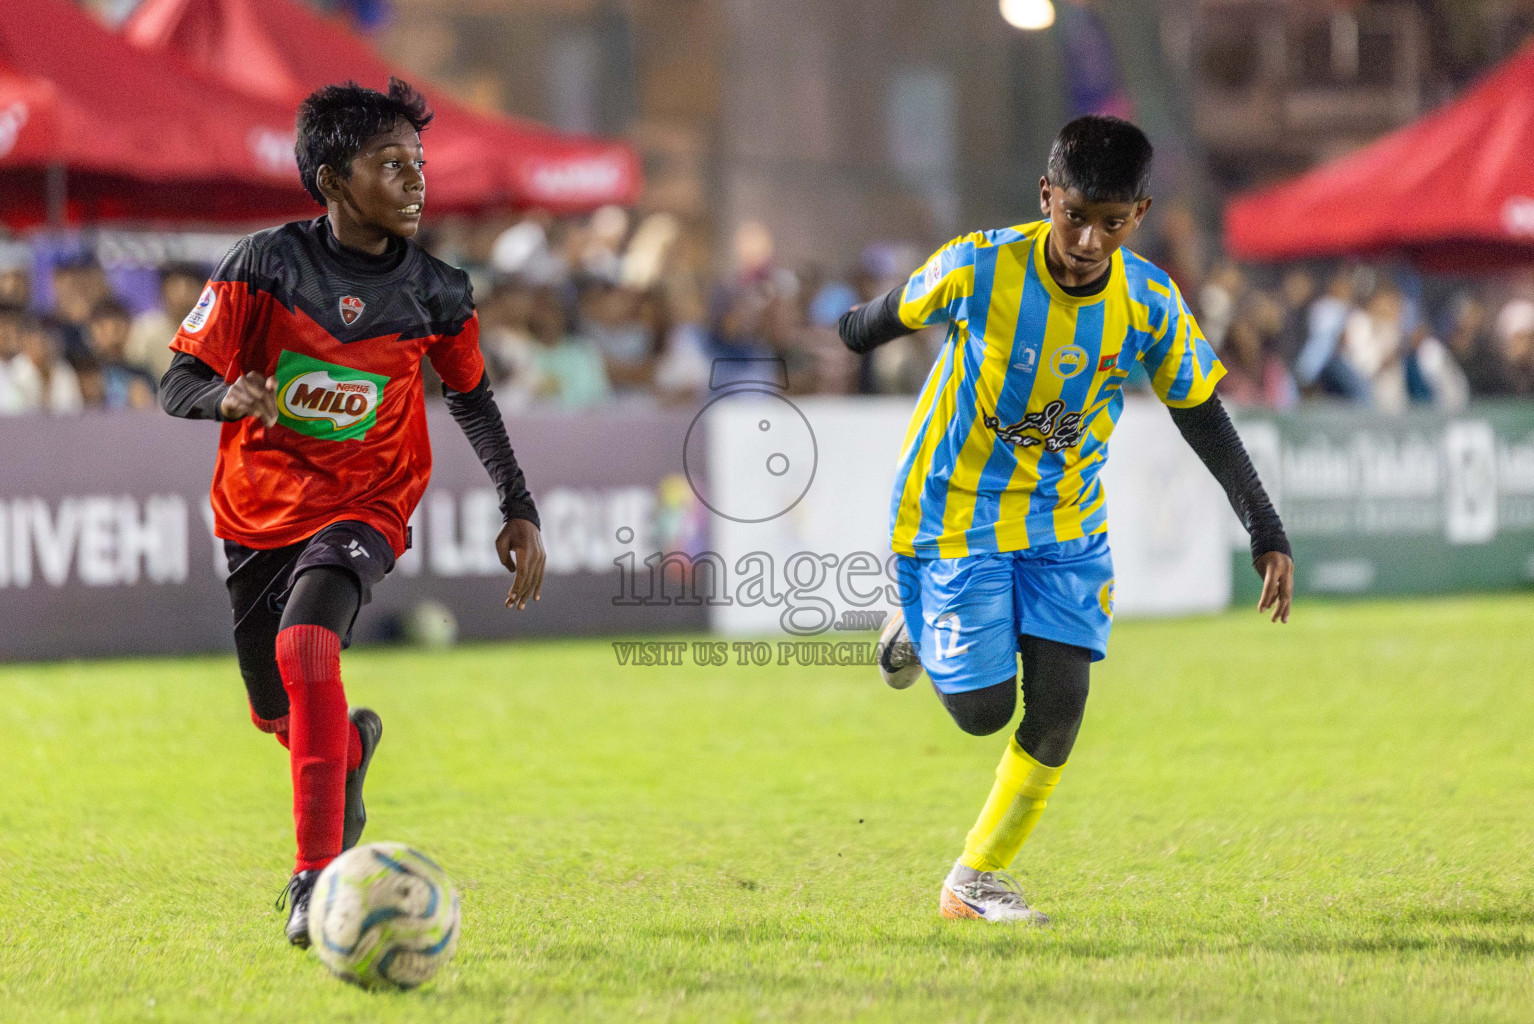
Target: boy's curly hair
336	121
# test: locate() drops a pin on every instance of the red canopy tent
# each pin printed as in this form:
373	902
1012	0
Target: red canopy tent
1451	191
100	131
30	112
280	50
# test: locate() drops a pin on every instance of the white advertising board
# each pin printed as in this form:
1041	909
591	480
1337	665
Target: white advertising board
835	530
1168	520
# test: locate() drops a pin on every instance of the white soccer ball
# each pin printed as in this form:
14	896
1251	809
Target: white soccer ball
384	916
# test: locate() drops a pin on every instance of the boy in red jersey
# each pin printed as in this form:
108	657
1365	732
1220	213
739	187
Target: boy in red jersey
307	344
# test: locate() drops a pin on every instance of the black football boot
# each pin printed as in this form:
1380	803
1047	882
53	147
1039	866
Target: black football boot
370	728
296	895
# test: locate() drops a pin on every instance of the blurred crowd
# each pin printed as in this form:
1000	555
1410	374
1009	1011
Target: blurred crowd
606	311
84	347
1372	335
585	313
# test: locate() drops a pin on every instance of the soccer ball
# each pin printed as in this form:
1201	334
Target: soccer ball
384	916
430	624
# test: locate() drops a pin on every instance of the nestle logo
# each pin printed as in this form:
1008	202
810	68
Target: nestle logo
360	388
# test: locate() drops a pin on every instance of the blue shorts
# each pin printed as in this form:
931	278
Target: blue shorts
965	614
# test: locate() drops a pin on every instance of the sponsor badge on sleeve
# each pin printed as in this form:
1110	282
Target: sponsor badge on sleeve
199	315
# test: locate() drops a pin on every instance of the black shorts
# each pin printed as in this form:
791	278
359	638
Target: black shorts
259	585
356	547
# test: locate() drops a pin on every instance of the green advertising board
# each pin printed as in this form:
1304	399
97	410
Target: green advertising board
1419	503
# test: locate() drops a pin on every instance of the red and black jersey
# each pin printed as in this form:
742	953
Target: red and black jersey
344	334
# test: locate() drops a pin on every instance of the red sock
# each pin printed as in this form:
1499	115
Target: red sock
278	727
309	658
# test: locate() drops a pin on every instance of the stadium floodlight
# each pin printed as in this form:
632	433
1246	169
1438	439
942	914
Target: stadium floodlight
1031	15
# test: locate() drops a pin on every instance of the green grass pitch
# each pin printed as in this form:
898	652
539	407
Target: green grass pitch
1332	821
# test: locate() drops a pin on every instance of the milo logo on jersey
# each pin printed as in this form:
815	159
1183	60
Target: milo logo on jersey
324	400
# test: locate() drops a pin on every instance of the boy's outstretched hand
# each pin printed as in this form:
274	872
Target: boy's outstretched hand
520	546
251	395
1277	571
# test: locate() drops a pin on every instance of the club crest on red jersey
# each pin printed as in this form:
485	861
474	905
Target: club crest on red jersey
351	309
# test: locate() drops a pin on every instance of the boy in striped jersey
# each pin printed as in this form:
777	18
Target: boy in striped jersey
998	516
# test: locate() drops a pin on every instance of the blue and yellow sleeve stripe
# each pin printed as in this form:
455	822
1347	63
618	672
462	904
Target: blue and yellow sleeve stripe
934	292
1182	365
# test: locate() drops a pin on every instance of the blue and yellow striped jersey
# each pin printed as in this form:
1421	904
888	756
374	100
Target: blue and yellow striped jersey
1011	430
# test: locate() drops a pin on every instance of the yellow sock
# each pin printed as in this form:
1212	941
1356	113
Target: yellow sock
1017	799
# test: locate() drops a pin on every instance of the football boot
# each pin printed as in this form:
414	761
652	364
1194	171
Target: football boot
899	665
370	728
296	896
991	896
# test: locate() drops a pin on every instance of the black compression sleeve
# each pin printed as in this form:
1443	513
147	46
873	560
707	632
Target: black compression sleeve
325	595
872	324
480	419
1056	680
192	389
1210	433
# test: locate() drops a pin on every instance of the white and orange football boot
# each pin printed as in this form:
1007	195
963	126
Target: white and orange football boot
986	896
